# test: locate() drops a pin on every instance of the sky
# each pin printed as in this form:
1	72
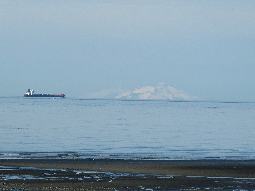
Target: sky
88	48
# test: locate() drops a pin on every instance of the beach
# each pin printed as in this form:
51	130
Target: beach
110	174
140	95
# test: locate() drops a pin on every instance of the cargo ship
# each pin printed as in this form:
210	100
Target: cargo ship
30	93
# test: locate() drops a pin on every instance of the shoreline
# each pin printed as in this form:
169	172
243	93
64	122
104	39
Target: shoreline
110	174
214	168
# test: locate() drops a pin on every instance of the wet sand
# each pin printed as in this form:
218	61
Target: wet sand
106	174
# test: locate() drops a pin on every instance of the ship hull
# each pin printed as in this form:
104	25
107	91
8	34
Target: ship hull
46	95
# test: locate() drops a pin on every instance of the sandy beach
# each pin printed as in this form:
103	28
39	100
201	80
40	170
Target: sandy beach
107	174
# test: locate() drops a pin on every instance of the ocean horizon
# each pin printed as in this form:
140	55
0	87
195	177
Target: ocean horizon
126	129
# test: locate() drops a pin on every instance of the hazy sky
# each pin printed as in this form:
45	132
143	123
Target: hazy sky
203	47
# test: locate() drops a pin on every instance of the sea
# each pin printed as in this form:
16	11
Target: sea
126	129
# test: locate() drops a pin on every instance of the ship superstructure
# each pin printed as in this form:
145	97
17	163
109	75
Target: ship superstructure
30	93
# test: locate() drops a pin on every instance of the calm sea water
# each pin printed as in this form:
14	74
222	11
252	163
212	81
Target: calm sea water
126	129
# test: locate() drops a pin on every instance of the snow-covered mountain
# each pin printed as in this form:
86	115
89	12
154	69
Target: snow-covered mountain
158	92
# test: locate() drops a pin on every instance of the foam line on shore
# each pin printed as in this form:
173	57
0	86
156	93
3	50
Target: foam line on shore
209	168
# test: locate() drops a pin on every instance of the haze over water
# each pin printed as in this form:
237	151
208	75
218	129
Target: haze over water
127	129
